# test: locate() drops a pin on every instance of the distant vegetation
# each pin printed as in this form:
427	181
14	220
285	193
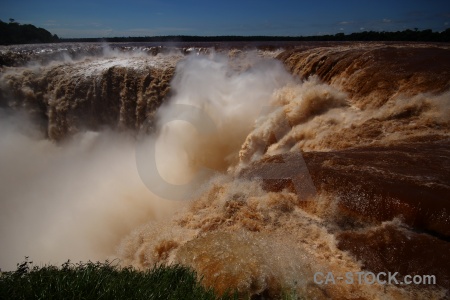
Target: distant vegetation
15	33
103	281
406	35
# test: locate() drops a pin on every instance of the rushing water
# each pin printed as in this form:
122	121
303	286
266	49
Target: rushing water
256	167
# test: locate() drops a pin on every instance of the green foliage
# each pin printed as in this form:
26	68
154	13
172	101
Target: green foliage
102	281
15	33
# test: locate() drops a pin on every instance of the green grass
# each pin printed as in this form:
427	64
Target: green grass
103	281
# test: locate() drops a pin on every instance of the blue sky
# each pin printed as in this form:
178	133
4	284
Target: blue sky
101	18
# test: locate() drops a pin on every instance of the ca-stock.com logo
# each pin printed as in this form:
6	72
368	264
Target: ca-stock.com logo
291	167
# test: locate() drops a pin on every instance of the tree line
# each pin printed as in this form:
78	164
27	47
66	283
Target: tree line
407	35
15	33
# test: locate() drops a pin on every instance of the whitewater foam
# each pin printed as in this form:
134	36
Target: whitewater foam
85	196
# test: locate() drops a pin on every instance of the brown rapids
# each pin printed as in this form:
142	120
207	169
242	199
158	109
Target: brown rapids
371	75
370	121
90	94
